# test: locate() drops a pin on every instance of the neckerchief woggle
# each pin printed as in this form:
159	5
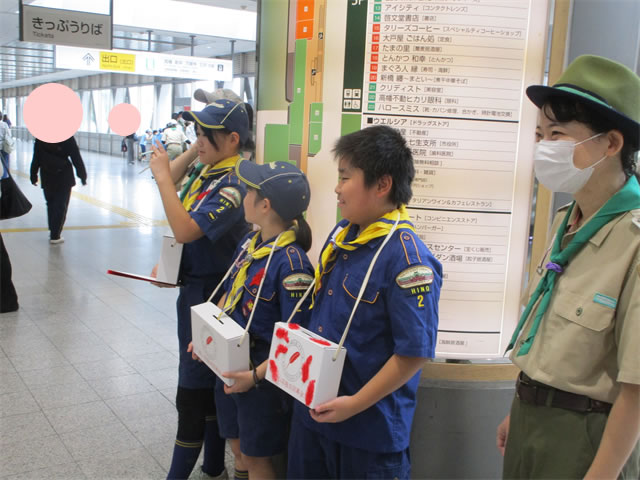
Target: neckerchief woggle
192	192
379	228
627	198
254	253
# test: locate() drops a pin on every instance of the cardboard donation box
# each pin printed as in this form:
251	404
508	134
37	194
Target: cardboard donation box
216	340
169	263
301	363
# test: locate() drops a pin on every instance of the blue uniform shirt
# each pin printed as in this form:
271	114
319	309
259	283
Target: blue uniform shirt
290	272
221	218
204	263
398	314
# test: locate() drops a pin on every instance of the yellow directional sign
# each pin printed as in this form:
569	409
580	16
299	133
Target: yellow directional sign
123	62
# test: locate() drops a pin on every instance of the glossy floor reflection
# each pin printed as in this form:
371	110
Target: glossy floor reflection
88	364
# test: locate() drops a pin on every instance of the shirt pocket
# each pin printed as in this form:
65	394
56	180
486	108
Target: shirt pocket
577	335
582	310
267	294
352	285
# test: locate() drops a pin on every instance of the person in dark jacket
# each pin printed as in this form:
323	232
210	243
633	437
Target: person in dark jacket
8	295
56	176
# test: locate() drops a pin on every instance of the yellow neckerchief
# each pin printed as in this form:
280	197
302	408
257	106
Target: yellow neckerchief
224	166
253	254
379	228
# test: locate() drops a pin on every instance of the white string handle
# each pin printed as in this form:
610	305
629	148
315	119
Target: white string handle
211	186
301	301
264	276
226	275
364	286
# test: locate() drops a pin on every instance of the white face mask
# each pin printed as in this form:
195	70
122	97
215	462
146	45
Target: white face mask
553	163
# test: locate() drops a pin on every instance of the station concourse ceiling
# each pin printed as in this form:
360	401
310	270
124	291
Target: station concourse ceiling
24	63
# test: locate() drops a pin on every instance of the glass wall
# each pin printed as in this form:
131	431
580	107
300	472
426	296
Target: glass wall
155	102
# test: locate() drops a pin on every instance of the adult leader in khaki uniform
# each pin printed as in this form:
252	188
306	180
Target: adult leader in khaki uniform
577	408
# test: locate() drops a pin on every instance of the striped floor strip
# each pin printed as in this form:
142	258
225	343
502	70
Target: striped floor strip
137	220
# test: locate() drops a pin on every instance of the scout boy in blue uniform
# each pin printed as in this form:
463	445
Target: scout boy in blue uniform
253	413
364	432
208	219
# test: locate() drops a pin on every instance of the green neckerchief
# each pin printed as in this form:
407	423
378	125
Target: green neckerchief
196	171
627	198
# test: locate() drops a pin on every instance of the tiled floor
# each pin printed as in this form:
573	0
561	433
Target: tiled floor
88	364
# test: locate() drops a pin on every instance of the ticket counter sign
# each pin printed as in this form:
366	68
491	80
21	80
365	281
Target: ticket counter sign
65	27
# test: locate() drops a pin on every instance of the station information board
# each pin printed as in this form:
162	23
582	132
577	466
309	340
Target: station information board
450	75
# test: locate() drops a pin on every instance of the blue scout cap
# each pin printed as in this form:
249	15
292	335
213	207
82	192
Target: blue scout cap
223	113
284	184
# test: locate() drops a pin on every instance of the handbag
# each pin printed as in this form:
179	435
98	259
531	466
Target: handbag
13	203
8	144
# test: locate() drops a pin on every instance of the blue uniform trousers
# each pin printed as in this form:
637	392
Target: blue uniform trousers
312	455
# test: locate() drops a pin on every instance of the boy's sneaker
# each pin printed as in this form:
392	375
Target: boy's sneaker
55	241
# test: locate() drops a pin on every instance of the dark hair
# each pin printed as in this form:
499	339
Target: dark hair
566	110
379	151
302	228
155	131
248	144
249	109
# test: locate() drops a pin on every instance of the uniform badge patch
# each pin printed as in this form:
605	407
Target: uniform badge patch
233	195
247	307
415	276
605	300
257	278
297	281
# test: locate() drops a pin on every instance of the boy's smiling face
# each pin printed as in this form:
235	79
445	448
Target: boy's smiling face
357	202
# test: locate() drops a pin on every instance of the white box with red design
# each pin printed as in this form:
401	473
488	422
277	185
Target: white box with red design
301	363
169	263
216	340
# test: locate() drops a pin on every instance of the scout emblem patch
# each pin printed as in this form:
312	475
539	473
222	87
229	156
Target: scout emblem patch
297	281
296	284
415	279
233	195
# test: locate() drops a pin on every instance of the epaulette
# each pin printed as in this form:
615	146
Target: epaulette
295	259
409	247
635	217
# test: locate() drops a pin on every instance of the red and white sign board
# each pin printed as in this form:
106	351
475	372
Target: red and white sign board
301	363
216	340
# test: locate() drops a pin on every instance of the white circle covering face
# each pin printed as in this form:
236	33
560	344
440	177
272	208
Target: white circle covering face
291	363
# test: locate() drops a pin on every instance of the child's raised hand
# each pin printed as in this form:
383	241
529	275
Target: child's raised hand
336	410
193	354
243	382
159	162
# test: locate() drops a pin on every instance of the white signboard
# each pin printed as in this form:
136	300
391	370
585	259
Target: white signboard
450	75
144	63
65	27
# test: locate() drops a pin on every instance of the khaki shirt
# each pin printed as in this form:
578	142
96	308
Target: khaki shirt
589	337
173	135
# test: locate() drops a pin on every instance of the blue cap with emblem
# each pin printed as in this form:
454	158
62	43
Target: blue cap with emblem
286	187
222	113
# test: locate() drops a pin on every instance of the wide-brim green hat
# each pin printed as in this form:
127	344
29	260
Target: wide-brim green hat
608	87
